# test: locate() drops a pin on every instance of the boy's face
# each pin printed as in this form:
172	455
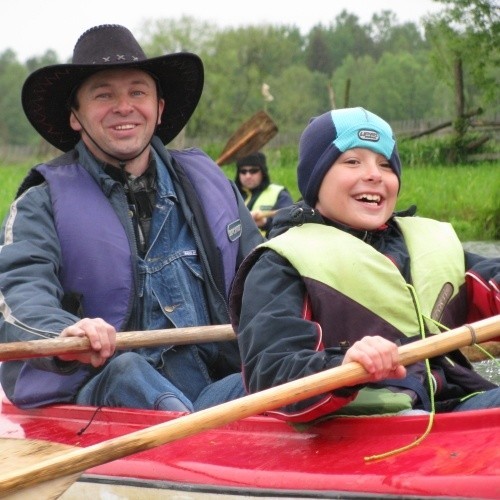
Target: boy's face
360	190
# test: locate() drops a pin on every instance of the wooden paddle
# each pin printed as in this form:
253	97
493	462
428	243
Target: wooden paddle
249	138
124	340
68	464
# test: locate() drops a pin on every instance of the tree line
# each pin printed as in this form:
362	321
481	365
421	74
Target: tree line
444	65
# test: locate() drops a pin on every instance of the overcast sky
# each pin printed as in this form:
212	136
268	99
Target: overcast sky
30	27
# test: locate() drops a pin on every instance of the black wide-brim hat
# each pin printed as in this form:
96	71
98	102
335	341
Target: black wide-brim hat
47	92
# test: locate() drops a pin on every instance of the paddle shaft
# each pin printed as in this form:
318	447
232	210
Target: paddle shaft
124	340
81	459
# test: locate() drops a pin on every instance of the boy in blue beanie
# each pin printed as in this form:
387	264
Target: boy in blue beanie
345	278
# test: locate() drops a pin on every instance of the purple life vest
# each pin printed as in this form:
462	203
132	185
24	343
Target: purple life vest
218	201
104	284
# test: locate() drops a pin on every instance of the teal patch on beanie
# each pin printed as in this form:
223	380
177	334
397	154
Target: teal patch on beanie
358	128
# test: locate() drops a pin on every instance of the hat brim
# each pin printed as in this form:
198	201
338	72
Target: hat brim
46	93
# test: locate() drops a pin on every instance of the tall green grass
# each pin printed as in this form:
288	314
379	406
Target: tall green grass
10	179
467	196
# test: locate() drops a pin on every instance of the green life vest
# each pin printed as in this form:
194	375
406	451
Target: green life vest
437	265
268	198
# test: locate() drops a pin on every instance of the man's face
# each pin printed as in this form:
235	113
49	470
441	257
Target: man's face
250	176
118	109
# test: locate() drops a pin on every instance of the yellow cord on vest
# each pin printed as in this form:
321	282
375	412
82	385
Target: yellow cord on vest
430	423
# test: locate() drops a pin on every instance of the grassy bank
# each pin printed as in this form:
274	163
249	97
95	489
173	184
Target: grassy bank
465	195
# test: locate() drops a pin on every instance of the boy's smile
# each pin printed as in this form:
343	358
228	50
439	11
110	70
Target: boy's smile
360	190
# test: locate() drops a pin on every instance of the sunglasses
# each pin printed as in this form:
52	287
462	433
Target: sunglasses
253	170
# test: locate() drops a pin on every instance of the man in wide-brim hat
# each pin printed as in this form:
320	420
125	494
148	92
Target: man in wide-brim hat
49	93
120	233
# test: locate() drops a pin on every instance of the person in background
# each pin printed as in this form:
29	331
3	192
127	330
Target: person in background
345	278
261	197
120	233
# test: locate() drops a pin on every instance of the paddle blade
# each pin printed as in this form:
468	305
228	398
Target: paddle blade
18	453
249	138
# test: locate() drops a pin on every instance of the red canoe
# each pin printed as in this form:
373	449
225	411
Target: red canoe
263	457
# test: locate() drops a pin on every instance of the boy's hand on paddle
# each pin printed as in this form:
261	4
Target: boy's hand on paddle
378	356
102	338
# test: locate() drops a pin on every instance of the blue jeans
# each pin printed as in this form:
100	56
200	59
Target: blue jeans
487	399
179	381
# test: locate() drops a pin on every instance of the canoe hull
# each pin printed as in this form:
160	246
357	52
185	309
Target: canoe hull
267	458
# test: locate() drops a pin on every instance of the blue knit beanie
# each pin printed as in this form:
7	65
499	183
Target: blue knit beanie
331	134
